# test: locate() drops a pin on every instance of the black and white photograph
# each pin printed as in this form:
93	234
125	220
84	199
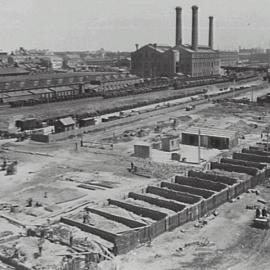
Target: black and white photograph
134	135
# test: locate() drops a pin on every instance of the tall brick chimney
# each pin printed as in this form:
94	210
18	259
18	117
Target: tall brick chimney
194	38
211	33
178	37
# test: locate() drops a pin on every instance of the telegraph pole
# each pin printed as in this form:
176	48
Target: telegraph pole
267	136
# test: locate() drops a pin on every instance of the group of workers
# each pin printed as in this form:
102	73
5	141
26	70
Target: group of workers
261	213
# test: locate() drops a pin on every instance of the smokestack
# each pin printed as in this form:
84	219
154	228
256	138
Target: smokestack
178	38
194	42
211	30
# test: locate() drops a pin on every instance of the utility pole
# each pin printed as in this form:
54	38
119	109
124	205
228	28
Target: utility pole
267	136
233	87
199	146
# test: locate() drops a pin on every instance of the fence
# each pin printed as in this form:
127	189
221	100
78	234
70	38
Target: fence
234	168
213	177
199	183
192	190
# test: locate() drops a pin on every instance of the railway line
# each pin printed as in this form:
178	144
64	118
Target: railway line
119	126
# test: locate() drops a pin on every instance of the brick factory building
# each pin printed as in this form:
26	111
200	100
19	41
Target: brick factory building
193	60
154	60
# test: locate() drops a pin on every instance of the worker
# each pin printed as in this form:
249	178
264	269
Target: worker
131	166
264	212
29	202
40	246
86	217
70	239
45	194
4	164
258	212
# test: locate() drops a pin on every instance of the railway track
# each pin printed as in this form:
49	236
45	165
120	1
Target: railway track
119	126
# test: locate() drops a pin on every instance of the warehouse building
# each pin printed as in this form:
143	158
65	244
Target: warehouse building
210	137
51	86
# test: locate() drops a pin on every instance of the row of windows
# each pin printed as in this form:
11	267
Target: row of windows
29	84
16	85
204	64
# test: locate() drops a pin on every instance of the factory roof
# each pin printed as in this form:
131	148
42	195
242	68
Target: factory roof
201	48
211	132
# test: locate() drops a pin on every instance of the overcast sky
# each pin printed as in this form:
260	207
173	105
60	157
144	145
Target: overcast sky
119	24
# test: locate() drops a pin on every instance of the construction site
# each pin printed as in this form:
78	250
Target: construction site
136	171
177	188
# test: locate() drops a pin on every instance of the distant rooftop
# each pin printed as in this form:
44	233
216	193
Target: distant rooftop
12	71
211	132
68	121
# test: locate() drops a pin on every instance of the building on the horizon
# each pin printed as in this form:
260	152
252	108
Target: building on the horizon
228	58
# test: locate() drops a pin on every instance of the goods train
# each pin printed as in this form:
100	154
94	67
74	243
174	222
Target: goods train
74	91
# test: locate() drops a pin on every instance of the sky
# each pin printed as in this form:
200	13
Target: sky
118	24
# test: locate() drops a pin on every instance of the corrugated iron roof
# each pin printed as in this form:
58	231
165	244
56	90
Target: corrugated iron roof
40	91
67	121
61	88
18	93
211	132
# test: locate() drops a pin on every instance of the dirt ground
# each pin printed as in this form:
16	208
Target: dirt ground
53	175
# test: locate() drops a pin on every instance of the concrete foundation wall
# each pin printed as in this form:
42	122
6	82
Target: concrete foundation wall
173	195
245	163
128	222
141	211
213	177
87	228
251	157
182	188
256	152
127	242
234	168
176	207
199	183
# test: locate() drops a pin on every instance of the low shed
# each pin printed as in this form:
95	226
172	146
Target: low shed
210	137
142	150
64	124
170	143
